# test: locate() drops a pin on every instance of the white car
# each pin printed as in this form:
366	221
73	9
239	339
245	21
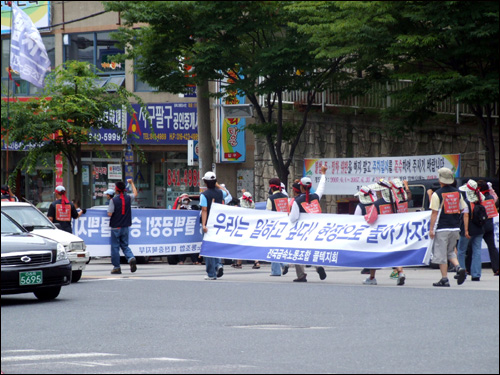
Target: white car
35	221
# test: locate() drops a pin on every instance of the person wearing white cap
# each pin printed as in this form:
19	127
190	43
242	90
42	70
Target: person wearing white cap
446	205
214	193
470	231
110	193
278	202
62	210
490	199
366	198
386	204
308	203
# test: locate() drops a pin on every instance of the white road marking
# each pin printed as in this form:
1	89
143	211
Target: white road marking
54	356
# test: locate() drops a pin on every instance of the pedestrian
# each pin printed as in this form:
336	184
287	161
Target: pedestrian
62	210
489	233
109	194
446	205
228	198
470	231
120	213
184	201
366	198
214	194
7	195
386	204
278	202
308	203
184	204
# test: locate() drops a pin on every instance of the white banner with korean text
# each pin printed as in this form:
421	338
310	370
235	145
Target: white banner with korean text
348	175
321	239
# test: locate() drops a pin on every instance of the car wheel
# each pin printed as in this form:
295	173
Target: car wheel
76	276
88	261
46	294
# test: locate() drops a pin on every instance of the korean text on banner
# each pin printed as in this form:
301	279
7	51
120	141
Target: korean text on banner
154	232
322	239
28	54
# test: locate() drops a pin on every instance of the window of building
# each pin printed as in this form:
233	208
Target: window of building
24	88
98	49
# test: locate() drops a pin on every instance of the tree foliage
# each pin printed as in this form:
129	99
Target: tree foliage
248	42
62	118
447	49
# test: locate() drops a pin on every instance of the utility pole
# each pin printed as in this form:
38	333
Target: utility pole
204	128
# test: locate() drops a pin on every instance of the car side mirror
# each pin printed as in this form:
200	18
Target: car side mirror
28	227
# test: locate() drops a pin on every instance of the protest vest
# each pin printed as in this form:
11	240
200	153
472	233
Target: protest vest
312	207
213	195
279	202
117	219
450	213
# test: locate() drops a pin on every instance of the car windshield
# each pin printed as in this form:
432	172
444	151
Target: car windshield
8	226
28	215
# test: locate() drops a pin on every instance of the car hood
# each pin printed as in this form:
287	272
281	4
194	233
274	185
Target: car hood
26	242
57	235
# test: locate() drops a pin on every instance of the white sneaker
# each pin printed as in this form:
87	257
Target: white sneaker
369	281
210	278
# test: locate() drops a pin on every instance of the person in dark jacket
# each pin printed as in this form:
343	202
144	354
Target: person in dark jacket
277	202
213	194
120	213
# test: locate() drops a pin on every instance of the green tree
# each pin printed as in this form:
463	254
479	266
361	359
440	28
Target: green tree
67	113
249	43
447	49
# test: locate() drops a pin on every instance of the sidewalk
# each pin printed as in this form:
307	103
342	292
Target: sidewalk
416	277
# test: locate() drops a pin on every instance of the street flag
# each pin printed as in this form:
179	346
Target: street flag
28	54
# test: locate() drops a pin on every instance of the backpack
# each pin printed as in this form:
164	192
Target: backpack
479	215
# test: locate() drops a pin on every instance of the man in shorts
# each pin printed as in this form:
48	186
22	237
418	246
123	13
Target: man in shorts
446	205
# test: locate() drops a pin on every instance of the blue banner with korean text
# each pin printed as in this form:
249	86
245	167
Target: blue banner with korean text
154	232
171	123
322	239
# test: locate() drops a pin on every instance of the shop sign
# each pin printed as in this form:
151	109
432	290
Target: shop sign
115	171
171	124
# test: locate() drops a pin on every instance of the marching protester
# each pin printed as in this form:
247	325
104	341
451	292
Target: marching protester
366	199
446	205
214	194
471	230
386	204
120	213
110	193
489	233
62	210
7	195
308	203
278	202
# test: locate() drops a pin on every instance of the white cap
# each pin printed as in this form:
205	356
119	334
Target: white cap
60	189
209	176
247	194
472	192
109	192
305	181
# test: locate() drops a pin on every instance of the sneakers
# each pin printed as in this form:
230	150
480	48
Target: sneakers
401	279
133	265
220	271
301	279
394	274
116	271
322	273
476	279
285	270
210	278
461	275
442	282
369	281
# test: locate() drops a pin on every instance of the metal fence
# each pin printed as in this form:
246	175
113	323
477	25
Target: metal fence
376	99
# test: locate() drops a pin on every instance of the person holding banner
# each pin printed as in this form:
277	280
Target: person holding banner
489	234
366	199
446	205
120	213
308	203
277	201
7	195
214	193
386	204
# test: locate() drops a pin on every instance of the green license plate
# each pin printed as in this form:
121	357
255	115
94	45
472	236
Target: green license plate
30	278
